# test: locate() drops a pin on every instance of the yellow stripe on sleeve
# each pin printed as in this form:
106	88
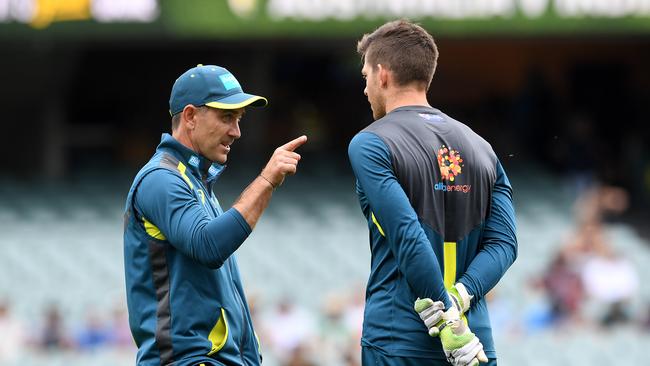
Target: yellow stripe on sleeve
181	169
374	219
152	230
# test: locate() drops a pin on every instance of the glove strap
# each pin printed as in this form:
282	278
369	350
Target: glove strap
444	325
460	297
456	302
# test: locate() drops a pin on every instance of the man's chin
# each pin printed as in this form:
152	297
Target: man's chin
220	159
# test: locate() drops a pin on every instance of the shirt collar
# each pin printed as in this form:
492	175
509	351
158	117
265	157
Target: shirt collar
416	108
199	165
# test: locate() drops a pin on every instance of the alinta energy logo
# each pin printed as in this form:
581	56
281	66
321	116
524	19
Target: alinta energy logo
451	165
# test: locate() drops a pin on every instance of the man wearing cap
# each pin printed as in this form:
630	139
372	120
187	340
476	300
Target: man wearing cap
184	294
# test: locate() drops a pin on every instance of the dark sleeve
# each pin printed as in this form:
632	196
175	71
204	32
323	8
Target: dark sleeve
371	163
499	243
363	201
166	201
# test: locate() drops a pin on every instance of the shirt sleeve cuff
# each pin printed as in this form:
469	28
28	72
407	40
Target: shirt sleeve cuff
240	219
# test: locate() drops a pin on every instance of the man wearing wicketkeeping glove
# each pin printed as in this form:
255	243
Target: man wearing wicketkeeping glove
439	210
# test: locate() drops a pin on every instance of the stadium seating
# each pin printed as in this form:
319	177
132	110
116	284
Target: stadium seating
63	245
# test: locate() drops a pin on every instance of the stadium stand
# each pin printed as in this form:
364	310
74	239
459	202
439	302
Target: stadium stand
62	245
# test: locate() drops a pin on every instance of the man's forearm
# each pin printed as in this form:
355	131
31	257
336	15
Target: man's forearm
254	200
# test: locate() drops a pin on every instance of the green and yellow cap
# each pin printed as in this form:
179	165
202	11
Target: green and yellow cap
212	86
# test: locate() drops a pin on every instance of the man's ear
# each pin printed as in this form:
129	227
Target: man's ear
188	116
382	75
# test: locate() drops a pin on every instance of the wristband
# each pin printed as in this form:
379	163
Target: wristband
271	183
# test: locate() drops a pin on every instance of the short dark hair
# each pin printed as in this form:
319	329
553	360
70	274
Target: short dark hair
405	48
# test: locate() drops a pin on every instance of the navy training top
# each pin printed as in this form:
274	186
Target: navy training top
184	292
439	209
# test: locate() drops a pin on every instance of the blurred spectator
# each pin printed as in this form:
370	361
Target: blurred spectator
353	318
502	313
289	327
589	238
118	330
299	356
53	335
333	325
353	315
352	354
538	314
595	203
335	336
93	333
564	289
618	313
612	282
11	335
587	279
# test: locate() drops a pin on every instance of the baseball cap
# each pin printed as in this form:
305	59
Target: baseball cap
213	86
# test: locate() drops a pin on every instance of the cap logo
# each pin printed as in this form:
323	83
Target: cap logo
229	81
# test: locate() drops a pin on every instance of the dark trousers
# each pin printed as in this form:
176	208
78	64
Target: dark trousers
372	357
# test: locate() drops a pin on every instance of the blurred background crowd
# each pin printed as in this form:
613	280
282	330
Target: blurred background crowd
559	88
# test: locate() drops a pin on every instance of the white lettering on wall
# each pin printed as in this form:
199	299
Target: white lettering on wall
533	8
318	10
125	10
602	8
21	10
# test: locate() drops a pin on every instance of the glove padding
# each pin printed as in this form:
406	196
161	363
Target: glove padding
460	345
431	314
470	354
460	297
431	311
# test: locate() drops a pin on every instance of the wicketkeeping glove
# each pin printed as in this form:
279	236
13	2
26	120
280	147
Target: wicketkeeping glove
460	297
461	346
432	313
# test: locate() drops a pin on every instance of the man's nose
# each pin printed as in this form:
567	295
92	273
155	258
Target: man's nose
235	131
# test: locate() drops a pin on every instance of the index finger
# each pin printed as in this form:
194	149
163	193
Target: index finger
294	144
